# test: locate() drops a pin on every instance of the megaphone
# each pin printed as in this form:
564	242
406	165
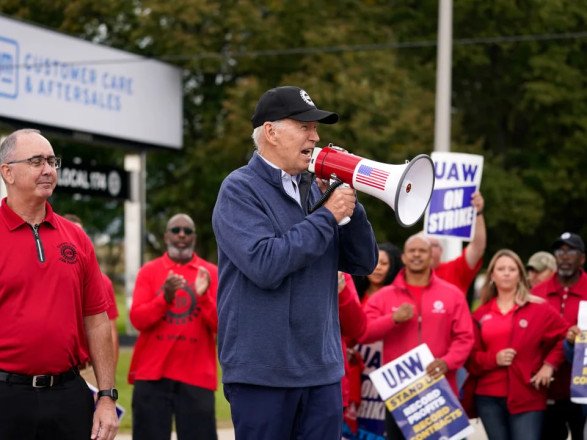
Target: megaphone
406	188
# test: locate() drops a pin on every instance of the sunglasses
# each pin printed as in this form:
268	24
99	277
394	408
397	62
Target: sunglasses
177	229
572	252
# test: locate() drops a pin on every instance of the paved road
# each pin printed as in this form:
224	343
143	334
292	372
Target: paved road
228	434
223	434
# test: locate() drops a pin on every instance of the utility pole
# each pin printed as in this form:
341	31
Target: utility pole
443	77
452	248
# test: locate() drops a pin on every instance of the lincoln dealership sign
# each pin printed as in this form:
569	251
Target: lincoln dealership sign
55	80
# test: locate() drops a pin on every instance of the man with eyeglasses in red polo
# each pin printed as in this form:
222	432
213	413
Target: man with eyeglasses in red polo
173	367
564	290
52	308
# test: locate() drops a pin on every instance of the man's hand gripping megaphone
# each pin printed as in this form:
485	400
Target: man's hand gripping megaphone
345	198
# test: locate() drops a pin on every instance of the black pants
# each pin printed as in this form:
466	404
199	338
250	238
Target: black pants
62	412
275	413
392	430
155	402
561	418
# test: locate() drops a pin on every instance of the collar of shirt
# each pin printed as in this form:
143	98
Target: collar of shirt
14	221
287	181
578	289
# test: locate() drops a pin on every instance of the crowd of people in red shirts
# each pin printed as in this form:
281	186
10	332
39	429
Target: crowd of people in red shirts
508	344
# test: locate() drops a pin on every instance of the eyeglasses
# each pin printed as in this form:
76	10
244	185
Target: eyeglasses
177	229
39	161
571	252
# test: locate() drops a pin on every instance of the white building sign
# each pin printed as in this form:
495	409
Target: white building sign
55	80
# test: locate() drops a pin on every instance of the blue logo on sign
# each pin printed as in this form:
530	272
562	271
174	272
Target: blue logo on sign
8	68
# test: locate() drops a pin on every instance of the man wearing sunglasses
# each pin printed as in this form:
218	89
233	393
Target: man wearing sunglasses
173	367
564	290
279	331
52	308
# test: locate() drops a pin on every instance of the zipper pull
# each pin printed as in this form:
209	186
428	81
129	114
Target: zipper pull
39	245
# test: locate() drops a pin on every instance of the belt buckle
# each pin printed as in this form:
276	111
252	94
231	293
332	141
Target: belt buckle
41	377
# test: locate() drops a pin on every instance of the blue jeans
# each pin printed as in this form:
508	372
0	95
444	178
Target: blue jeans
499	424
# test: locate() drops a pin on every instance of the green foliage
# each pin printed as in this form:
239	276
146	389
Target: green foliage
124	389
520	102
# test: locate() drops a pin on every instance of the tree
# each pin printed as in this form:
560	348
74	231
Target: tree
519	101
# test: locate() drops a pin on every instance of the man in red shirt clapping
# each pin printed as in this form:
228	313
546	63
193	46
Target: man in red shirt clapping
174	361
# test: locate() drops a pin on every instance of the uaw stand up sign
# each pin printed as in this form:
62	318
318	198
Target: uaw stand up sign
579	355
423	408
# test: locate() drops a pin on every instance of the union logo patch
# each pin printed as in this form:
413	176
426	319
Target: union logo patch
438	307
185	307
307	98
68	253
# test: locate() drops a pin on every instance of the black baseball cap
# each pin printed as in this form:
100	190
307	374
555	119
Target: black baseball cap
289	102
571	240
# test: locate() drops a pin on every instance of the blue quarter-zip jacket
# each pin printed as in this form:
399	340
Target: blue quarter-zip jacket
277	297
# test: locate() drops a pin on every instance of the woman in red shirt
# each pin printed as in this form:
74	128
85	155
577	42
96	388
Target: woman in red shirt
518	345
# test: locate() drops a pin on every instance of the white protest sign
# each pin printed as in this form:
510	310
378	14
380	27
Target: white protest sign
422	406
401	372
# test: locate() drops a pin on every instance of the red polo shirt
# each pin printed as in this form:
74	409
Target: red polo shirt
496	334
47	286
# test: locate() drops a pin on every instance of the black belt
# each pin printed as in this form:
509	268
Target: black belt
40	380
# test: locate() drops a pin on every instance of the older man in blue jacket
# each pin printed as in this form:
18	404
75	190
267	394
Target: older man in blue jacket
278	328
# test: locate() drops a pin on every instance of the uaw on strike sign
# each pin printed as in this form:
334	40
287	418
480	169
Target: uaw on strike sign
457	177
423	408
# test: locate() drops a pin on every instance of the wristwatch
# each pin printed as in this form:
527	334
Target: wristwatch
112	393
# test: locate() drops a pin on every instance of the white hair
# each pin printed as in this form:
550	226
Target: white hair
258	132
9	145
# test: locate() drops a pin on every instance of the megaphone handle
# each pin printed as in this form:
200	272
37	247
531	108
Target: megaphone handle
334	183
326	195
346	220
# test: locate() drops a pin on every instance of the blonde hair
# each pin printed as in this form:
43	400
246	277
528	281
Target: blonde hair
523	295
